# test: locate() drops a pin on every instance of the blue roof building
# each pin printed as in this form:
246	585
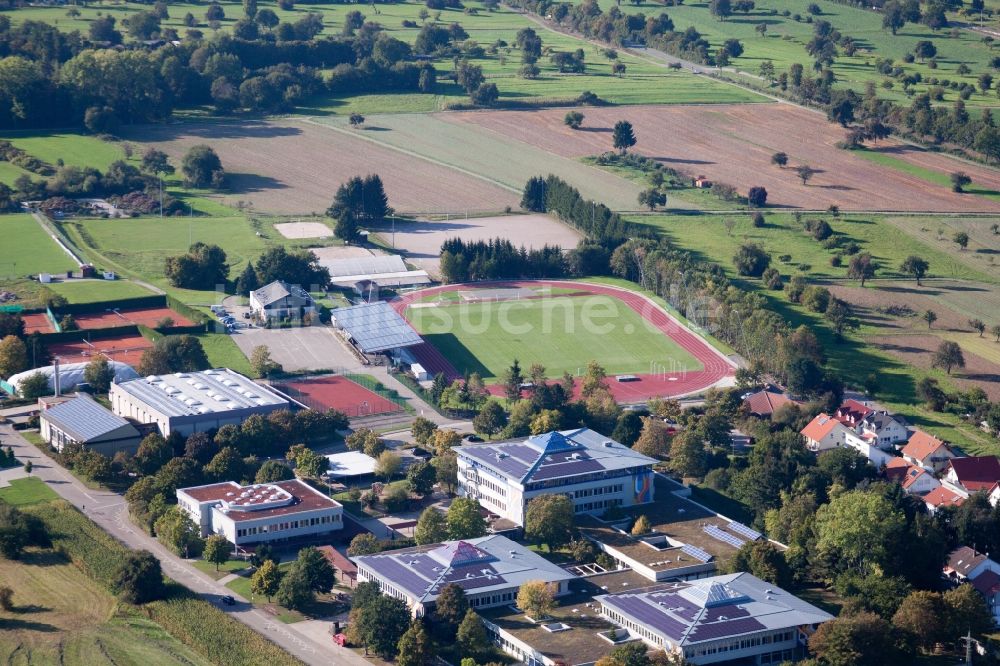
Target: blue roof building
595	471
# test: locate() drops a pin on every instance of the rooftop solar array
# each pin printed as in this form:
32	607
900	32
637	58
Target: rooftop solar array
376	327
84	420
473	564
714	608
696	552
723	536
743	530
554	455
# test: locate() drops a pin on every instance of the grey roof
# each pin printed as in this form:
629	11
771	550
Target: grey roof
712	608
964	559
204	392
83	419
476	565
361	266
554	455
376	327
279	289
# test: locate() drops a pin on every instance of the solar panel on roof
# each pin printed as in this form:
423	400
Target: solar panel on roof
725	537
376	327
696	552
743	530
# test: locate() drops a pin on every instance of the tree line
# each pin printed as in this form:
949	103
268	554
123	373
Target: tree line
497	259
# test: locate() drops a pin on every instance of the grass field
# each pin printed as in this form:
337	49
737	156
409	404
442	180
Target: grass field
25	492
92	291
707	236
490	155
77	149
937	233
222	352
561	333
63	617
27	250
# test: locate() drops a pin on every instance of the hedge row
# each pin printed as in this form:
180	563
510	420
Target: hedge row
152	301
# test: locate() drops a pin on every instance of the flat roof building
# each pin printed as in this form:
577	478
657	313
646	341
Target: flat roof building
350	465
489	569
595	471
81	420
189	402
736	617
263	512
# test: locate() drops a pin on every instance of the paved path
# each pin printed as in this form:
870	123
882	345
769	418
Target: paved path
110	512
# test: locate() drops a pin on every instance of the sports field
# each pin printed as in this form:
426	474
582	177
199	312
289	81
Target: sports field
562	333
125	349
339	393
27	250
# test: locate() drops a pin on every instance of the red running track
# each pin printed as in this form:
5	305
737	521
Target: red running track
715	366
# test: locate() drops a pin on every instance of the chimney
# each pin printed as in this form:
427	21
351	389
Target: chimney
55	381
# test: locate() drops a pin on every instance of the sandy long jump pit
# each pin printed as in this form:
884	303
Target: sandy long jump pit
422	240
733	143
304	230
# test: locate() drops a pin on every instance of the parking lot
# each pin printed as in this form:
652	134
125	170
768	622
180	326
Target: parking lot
308	348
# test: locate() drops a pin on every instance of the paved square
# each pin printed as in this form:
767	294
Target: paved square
304	230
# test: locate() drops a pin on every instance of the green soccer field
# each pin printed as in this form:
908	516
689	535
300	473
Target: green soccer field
562	333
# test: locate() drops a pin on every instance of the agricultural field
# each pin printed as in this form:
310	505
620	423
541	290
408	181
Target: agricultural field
784	44
77	149
63	617
984	243
734	144
274	165
28	250
563	333
489	155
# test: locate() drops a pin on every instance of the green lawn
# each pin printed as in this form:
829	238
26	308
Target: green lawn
27	250
76	149
231	566
23	492
92	291
222	352
562	333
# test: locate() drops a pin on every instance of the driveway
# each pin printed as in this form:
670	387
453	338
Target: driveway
110	512
307	348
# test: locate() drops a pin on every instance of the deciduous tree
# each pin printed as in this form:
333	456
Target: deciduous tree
549	520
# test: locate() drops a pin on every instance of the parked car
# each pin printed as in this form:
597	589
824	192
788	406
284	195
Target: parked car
246	315
229	600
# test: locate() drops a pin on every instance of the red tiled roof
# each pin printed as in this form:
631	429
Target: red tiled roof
895	469
851	412
820	427
912	474
337	561
941	496
976	472
922	445
764	403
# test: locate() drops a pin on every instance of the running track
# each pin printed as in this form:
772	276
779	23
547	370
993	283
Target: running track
715	366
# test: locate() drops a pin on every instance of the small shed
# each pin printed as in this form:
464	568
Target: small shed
702	182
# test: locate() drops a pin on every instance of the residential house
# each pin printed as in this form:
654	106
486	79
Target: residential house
967	565
824	432
972	474
942	497
927	451
915	479
280	300
851	413
765	403
883	429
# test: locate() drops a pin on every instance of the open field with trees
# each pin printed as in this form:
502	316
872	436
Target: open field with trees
735	144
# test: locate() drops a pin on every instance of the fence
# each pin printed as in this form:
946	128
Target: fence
52	318
9	388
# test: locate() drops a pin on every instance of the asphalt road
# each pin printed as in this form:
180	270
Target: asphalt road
109	510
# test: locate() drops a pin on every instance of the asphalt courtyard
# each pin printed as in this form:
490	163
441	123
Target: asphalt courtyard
307	348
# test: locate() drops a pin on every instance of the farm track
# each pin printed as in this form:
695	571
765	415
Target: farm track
716	368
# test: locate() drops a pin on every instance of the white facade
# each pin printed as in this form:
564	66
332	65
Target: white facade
189	402
262	512
595	472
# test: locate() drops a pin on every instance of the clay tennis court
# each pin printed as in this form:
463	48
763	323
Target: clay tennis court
145	316
125	349
341	394
37	322
716	368
734	143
